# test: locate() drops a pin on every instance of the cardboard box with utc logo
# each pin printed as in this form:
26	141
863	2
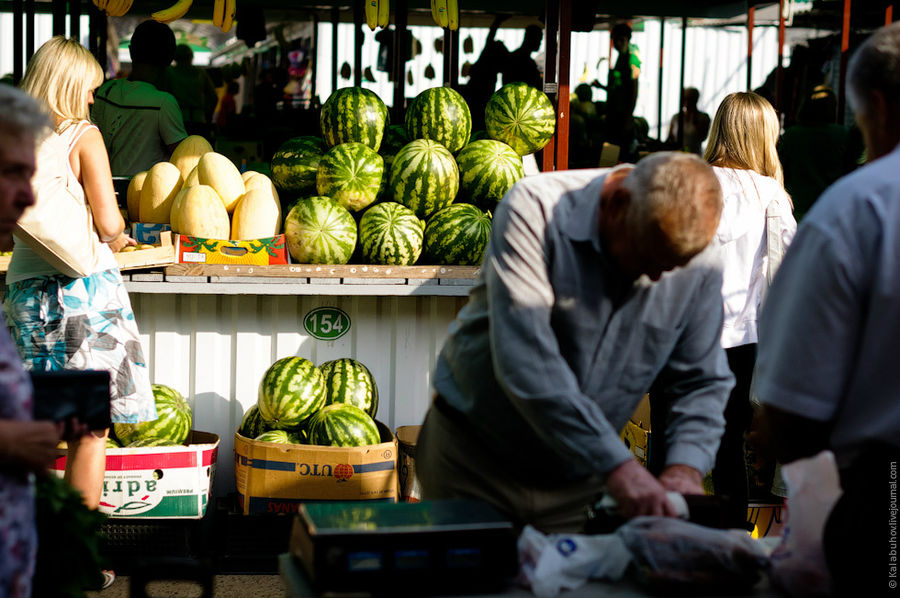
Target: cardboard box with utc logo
161	482
276	478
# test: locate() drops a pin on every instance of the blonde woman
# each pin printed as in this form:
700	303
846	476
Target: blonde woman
742	151
79	323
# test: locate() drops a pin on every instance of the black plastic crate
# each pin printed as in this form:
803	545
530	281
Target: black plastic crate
124	541
248	543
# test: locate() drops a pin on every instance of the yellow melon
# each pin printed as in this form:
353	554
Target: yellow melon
256	216
162	184
188	152
133	196
199	212
257	180
221	174
192	179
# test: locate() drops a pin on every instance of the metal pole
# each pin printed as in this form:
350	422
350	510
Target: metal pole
562	97
889	14
454	60
400	58
29	30
103	30
684	25
447	67
335	21
779	79
659	85
751	18
313	60
357	42
18	34
75	20
551	47
58	7
845	51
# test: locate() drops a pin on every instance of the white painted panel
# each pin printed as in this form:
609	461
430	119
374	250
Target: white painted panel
215	348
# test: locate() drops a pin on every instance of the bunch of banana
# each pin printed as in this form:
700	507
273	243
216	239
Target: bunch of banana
378	13
114	8
223	14
173	13
445	13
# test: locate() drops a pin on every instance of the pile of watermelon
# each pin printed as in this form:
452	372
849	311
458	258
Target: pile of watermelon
333	404
420	192
170	428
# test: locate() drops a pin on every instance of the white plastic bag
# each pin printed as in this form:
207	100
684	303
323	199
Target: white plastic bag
798	562
555	562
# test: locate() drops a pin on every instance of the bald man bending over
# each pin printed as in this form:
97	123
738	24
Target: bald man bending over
595	284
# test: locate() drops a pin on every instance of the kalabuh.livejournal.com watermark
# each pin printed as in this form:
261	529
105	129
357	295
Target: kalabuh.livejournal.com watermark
892	529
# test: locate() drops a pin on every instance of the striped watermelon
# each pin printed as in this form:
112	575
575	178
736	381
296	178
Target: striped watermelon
173	421
350	174
252	424
349	381
291	390
112	443
343	424
487	170
319	231
390	234
295	164
440	114
457	235
521	117
280	437
395	138
146	442
424	177
353	114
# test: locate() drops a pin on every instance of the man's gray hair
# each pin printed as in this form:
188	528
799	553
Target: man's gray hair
20	114
875	66
681	189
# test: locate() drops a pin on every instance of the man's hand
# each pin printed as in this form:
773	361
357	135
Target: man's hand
28	445
637	492
120	242
682	479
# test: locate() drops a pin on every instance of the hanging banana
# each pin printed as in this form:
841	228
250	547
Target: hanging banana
101	4
452	15
121	7
439	13
371	13
384	13
173	13
223	14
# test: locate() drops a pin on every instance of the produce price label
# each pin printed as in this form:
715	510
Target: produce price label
326	323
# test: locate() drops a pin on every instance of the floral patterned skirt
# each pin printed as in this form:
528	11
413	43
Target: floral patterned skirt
62	323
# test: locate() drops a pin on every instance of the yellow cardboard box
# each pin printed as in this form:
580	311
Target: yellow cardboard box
257	252
276	478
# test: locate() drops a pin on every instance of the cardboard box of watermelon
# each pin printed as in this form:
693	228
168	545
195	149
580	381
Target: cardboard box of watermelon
311	436
160	469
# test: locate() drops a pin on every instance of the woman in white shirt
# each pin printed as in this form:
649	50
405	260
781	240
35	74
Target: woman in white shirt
742	151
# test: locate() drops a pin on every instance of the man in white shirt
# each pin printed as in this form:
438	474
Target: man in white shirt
141	124
829	331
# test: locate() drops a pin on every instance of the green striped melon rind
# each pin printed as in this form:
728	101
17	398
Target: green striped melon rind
320	231
342	424
173	420
252	424
353	114
291	390
350	174
350	381
295	164
440	114
279	437
521	117
424	177
457	235
112	443
390	234
145	442
487	170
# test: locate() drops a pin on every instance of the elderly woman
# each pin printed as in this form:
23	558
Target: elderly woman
742	151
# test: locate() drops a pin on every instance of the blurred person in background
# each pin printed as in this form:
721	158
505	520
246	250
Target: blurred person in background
621	92
194	90
817	151
696	124
742	151
520	67
140	123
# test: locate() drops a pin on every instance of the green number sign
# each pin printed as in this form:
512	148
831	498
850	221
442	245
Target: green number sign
326	323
